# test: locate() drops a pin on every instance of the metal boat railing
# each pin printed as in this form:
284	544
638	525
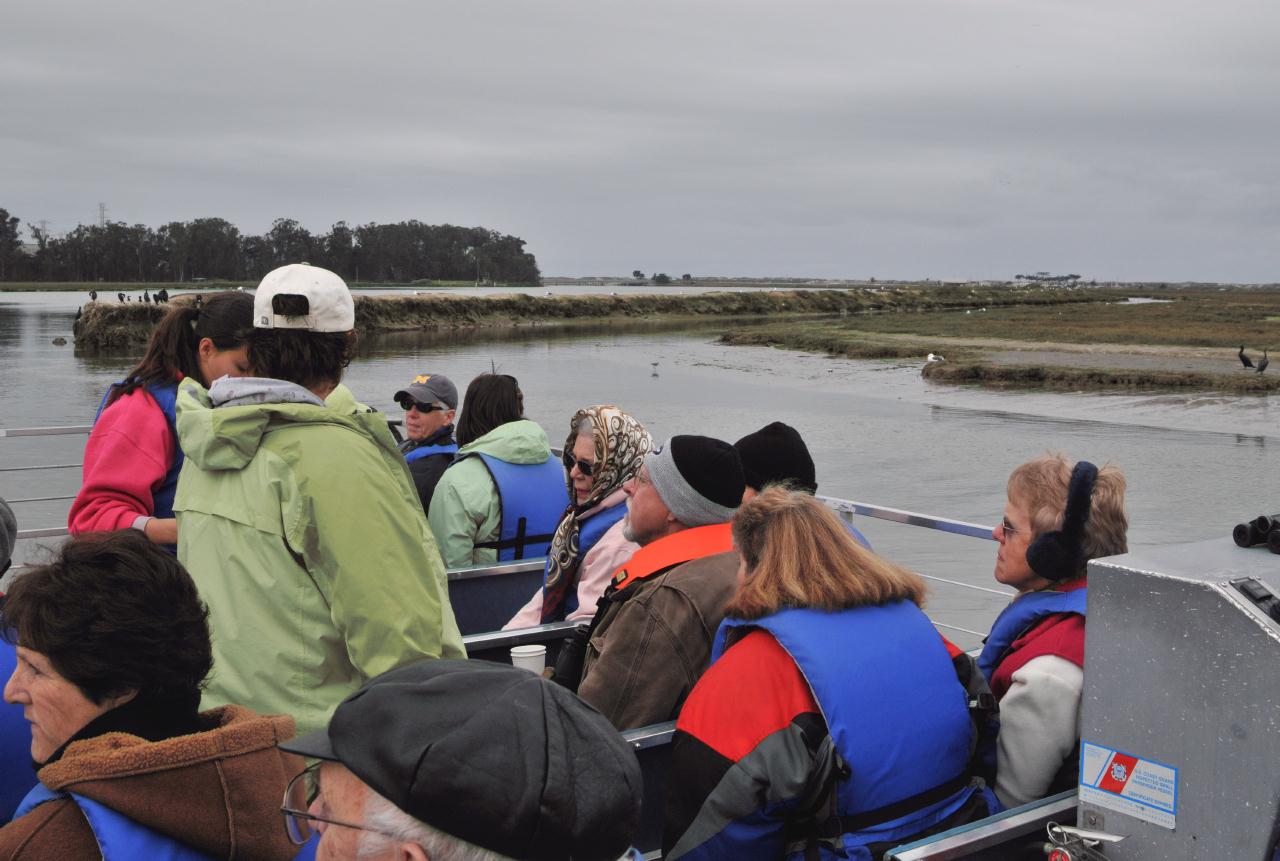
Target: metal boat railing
484	597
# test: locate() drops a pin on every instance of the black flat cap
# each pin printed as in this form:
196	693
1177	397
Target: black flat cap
491	754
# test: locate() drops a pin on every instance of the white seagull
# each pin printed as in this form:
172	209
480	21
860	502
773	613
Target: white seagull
934	357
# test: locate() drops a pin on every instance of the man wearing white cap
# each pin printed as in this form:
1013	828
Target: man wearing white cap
298	518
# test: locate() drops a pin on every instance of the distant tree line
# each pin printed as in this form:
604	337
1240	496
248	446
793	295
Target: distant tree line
213	248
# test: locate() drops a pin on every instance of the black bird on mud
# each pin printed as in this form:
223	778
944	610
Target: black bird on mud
1263	362
120	296
146	296
93	295
1245	360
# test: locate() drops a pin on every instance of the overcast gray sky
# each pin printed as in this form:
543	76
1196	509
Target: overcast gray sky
940	138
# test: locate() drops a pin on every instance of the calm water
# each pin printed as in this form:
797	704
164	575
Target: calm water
1196	464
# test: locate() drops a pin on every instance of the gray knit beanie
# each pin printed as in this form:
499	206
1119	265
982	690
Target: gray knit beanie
698	478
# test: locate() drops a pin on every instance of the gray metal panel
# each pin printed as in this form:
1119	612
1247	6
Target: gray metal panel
1184	670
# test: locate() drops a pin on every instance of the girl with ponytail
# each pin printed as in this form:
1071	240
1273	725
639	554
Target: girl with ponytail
132	459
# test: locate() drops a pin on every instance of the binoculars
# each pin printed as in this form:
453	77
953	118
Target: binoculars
1260	530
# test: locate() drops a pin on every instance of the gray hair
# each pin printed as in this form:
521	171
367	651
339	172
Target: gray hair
390	820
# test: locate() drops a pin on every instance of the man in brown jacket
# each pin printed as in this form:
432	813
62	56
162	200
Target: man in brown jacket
652	636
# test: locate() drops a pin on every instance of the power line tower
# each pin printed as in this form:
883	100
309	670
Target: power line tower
102	215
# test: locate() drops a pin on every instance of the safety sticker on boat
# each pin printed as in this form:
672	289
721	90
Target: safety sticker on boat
1129	784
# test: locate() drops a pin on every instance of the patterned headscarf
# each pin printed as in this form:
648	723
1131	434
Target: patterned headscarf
621	444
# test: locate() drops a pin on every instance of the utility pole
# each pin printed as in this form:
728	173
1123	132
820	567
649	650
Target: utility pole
102	215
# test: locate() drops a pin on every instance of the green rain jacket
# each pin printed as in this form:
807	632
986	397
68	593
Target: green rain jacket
300	524
465	507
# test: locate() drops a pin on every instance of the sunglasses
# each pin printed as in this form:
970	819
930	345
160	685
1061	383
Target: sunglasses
1008	528
407	404
584	466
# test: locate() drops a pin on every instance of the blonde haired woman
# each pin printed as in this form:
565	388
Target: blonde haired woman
831	719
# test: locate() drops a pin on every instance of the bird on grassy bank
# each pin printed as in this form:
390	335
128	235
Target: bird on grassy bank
934	357
1245	360
1263	362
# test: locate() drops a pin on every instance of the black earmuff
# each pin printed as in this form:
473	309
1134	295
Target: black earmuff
1058	555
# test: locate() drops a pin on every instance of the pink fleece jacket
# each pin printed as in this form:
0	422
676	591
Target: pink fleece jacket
125	460
609	553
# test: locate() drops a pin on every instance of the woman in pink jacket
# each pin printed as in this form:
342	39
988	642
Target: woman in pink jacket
132	459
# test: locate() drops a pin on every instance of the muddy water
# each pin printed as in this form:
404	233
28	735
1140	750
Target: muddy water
1196	464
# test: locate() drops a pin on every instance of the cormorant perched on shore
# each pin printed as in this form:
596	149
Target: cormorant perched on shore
93	295
120	296
146	296
78	310
1245	360
1263	362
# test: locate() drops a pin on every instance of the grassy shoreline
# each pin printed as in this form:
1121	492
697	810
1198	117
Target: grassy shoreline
1189	343
111	324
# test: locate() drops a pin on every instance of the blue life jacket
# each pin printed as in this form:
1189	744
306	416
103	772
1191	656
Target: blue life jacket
119	837
894	709
166	396
1019	617
533	497
430	451
589	533
16	774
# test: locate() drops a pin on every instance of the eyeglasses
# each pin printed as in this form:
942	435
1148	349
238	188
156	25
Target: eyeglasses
408	403
297	819
1008	528
584	466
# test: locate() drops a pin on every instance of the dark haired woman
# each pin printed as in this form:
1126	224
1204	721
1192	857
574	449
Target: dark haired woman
605	449
112	650
831	723
504	493
132	459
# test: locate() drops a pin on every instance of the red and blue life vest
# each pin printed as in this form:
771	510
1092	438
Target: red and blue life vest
532	497
1018	619
119	837
895	712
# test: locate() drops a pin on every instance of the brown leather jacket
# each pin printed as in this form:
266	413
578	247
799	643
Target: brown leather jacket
218	791
649	649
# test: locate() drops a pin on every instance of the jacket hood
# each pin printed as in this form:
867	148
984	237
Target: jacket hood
520	441
222	428
217	791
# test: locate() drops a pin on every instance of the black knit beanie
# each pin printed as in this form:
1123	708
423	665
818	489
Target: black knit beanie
776	454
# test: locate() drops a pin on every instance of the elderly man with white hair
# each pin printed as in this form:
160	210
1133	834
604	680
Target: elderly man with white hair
466	761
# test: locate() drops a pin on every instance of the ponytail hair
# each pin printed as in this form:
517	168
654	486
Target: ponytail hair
173	351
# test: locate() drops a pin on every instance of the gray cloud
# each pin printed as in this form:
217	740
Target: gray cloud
934	138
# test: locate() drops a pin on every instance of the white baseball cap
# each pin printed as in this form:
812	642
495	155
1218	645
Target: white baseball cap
330	306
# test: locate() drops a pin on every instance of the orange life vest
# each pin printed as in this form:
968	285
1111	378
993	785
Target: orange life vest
665	553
